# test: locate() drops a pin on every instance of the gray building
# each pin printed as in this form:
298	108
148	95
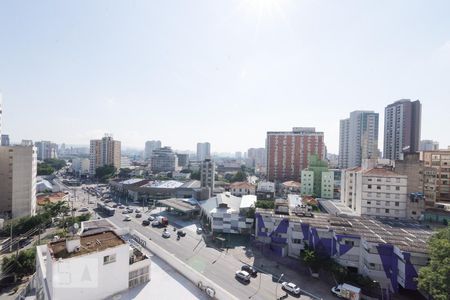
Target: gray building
358	138
402	121
150	146
5	140
183	160
46	150
428	145
163	160
207	174
203	151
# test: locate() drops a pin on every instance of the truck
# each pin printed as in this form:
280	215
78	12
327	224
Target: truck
346	291
160	221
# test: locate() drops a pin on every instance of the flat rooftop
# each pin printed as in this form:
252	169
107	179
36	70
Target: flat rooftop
89	243
407	235
180	205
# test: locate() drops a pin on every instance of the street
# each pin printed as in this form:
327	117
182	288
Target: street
219	266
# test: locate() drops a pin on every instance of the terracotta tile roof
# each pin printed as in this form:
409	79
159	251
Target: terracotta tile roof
291	183
241	184
50	198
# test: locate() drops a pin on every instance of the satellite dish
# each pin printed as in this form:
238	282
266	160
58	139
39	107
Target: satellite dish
76	226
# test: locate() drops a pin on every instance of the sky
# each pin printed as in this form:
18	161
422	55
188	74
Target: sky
225	72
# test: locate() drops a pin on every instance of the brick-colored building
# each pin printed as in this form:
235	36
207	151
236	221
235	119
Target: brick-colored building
288	152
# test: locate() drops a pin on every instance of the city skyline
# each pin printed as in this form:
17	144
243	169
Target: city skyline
139	73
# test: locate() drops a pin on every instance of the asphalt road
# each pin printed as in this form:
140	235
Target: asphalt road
219	266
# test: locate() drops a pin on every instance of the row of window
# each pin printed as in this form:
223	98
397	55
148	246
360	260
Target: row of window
385	179
378	195
388	187
386	211
386	203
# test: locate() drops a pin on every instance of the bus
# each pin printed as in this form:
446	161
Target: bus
107	210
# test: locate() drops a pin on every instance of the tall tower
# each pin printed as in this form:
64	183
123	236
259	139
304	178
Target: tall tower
402	122
104	152
207	173
203	151
358	138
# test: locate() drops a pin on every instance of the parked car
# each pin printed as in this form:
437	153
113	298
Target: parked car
166	234
121	207
291	288
155	223
199	230
127	218
145	222
130	210
138	215
137	210
249	269
181	233
115	206
242	275
125	212
83	209
151	218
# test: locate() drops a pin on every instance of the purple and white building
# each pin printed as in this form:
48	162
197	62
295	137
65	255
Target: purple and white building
386	250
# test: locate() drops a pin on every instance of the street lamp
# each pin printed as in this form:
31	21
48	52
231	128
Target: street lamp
276	287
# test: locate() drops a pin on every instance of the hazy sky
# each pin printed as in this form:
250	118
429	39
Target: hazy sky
219	71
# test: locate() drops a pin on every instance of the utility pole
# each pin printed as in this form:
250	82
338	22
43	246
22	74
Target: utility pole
11	238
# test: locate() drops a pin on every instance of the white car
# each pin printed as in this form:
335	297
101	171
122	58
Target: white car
166	234
290	287
151	218
243	275
127	218
199	230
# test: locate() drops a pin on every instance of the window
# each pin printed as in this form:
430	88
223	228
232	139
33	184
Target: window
350	243
369	194
296	241
378	202
397	196
386	210
388	203
378	195
388	195
369	202
369	209
388	180
370	179
413	212
397	203
369	186
378	210
388	187
397	180
397	188
378	179
109	259
396	211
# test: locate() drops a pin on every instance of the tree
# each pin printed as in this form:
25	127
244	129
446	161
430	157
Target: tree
266	204
56	164
105	172
195	175
311	259
239	176
435	278
44	169
22	265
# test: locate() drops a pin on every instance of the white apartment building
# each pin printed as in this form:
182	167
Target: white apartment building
80	166
164	160
150	146
242	188
104	152
97	264
18	167
358	138
203	151
375	191
46	150
227	213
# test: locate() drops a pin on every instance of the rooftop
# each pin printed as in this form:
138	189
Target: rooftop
168	184
179	204
407	235
382	172
132	181
241	184
88	243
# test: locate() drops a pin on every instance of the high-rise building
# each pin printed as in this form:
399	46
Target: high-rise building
428	145
402	121
5	140
164	160
358	138
18	167
203	151
288	152
46	150
183	159
257	157
104	152
150	146
207	173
